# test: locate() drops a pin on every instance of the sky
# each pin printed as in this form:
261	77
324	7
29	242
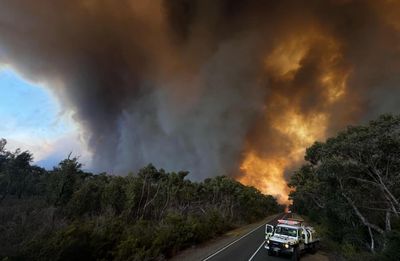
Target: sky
32	119
238	88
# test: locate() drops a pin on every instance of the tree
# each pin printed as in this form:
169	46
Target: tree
62	181
145	216
114	195
358	174
15	170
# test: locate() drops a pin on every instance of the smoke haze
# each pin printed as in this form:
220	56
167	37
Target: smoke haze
210	86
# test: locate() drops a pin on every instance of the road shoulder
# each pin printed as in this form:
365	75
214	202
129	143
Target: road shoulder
202	251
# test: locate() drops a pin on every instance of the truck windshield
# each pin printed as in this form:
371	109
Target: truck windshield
286	231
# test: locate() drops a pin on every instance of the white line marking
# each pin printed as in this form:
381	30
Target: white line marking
225	247
258	249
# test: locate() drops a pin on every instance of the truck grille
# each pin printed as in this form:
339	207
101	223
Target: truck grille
275	244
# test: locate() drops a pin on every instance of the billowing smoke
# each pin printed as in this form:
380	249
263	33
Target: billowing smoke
211	86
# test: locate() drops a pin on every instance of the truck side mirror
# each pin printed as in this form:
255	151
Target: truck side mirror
269	231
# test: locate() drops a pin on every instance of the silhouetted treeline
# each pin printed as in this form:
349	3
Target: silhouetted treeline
351	186
69	214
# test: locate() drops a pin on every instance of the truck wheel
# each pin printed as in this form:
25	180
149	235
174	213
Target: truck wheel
296	254
313	249
270	252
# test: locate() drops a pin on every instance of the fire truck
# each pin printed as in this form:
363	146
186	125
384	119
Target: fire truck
290	237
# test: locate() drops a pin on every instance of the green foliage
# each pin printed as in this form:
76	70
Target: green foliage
15	170
351	186
114	195
69	214
87	199
64	180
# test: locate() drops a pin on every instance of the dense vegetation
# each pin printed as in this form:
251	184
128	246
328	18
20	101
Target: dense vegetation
350	184
69	214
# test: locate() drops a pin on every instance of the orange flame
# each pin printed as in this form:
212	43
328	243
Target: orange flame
284	114
257	169
267	173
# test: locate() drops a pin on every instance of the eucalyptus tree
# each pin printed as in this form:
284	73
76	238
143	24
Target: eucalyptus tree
355	175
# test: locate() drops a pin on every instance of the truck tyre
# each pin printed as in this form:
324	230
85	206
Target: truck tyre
270	252
313	248
296	254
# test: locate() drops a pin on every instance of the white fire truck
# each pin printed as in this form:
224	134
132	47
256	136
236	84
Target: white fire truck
290	237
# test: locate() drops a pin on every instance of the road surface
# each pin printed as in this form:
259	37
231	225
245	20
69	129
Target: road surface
249	247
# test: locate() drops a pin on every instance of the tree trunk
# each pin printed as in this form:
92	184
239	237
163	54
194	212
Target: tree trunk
388	225
372	246
141	197
360	216
149	202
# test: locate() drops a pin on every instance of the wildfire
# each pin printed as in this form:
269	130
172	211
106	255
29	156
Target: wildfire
285	60
297	129
300	131
267	173
261	168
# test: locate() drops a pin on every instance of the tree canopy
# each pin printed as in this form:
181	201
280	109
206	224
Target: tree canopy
351	183
70	214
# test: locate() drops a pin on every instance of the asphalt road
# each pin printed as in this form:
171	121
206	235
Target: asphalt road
248	247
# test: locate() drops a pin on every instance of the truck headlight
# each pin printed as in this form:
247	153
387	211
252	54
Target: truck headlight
286	245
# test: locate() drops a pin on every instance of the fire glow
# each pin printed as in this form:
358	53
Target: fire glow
236	88
297	129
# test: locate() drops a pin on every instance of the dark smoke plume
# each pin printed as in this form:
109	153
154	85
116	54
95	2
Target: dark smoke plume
197	84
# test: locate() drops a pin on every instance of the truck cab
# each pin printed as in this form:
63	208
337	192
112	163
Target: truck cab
290	237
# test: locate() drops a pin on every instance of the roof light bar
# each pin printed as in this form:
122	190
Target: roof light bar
289	222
